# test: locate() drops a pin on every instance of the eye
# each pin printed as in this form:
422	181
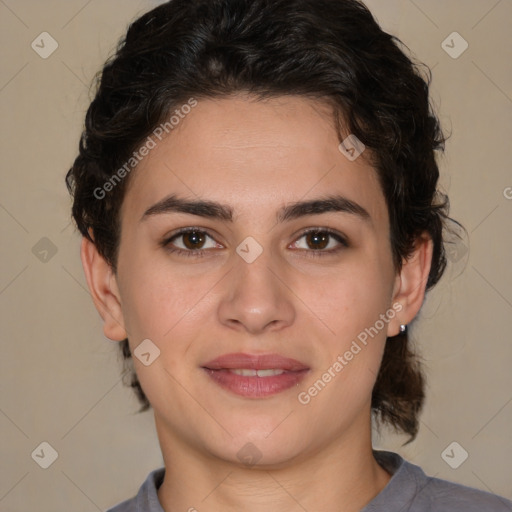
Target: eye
190	242
320	240
193	241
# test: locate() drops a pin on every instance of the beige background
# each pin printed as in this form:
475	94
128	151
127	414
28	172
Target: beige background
60	376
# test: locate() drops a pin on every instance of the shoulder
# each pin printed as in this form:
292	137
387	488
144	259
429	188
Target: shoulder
147	496
445	496
125	506
412	490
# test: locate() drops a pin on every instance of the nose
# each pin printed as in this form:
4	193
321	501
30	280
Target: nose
256	297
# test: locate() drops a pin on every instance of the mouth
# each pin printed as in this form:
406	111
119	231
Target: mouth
255	376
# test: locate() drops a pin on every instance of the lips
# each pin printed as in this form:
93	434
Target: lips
255	362
255	376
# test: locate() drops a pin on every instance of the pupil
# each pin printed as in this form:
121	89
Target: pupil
320	240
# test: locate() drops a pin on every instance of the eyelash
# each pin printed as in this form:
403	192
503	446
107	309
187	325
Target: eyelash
199	253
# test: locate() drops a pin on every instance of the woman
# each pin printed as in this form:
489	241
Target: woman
256	190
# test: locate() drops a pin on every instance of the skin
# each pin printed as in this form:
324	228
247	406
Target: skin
257	156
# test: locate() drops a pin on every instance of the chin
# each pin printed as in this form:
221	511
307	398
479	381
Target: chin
263	448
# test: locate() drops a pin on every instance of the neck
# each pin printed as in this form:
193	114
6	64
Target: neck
342	476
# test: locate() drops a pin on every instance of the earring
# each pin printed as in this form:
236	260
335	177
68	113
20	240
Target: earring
403	328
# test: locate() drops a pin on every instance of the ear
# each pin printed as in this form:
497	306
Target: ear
410	284
104	291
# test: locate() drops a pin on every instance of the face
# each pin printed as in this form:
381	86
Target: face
270	275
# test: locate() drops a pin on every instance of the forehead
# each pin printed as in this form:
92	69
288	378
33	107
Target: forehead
253	154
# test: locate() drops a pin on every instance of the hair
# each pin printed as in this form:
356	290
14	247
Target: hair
327	50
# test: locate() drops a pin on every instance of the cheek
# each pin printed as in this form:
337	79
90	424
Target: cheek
351	298
349	303
159	300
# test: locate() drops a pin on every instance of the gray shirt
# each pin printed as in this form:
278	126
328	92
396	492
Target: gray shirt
409	490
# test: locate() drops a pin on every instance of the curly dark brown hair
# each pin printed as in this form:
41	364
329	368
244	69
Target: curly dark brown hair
329	50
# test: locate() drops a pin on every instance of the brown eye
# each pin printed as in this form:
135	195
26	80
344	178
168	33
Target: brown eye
193	239
190	242
320	241
317	239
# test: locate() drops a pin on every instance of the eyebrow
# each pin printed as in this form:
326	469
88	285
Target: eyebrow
214	210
